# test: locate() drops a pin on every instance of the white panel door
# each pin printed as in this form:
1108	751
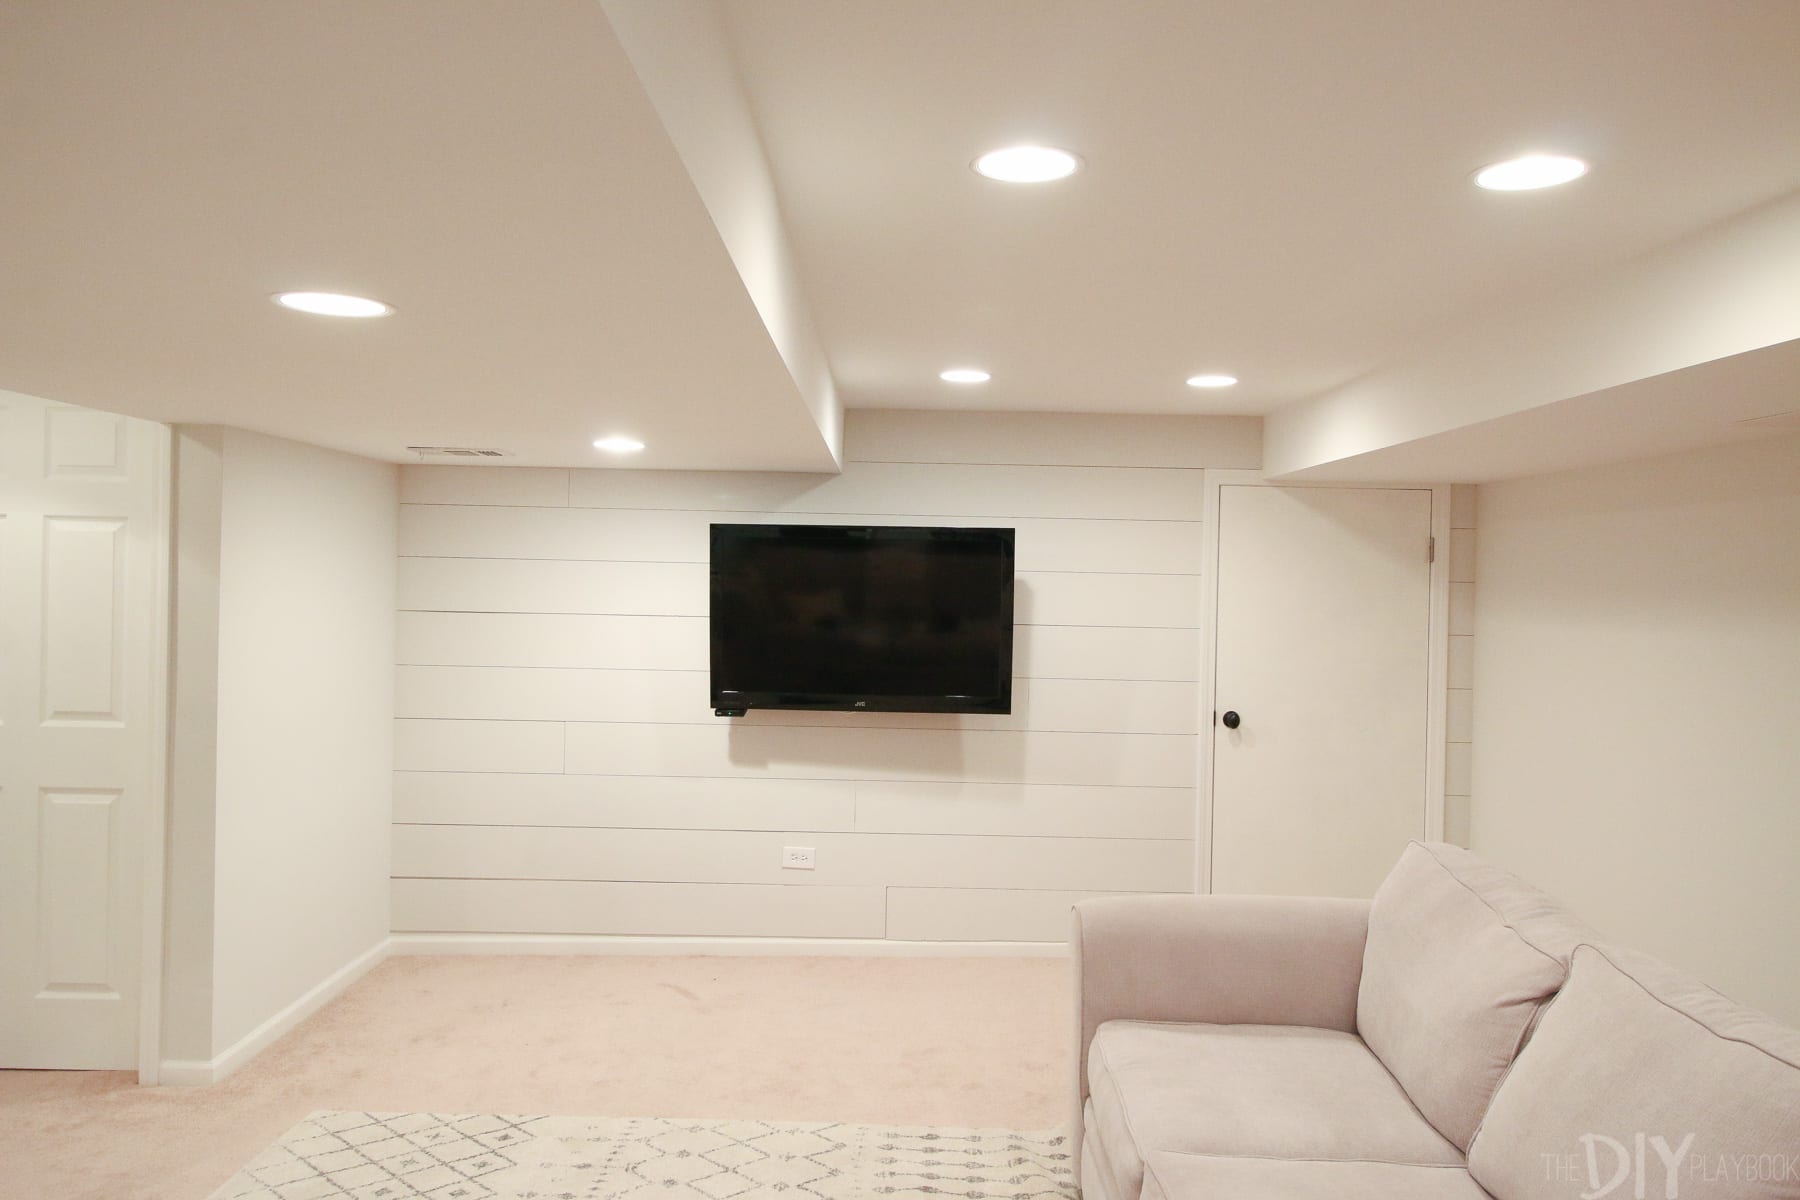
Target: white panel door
1321	664
78	544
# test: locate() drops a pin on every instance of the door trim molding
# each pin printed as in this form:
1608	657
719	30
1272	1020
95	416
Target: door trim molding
155	806
1436	667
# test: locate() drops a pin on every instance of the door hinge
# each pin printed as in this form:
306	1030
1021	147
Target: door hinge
1430	549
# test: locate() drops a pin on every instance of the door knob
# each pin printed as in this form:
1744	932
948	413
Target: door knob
1230	719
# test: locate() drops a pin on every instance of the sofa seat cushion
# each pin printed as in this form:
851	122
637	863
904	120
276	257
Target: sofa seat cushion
1461	957
1097	1172
1170	1176
1262	1091
1644	1081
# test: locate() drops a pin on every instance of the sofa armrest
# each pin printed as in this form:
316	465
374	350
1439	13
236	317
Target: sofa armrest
1225	960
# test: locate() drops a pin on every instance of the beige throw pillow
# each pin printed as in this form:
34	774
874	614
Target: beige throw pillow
1460	958
1643	1082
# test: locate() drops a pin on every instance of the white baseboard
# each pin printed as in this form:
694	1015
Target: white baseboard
179	1072
540	943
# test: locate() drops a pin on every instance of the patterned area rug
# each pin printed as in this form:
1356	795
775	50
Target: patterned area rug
396	1156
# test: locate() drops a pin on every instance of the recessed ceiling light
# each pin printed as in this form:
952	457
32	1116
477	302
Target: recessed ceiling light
1211	381
1027	164
618	444
331	304
1531	171
964	375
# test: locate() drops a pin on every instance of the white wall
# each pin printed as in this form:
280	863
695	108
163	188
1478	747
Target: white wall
1727	291
683	58
560	771
189	875
1638	701
306	597
283	745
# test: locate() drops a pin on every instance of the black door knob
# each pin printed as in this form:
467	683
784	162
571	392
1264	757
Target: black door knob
1230	719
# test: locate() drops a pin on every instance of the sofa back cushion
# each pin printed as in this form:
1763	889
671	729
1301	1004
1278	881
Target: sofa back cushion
1461	956
1642	1081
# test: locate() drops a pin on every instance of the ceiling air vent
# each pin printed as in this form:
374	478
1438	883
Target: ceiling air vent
455	452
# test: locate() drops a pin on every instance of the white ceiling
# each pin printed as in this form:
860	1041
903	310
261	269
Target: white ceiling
1275	189
1280	191
494	171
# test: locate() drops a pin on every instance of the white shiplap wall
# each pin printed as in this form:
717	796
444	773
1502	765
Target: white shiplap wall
1459	706
560	770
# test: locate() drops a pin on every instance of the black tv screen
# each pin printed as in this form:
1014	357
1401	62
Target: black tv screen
861	618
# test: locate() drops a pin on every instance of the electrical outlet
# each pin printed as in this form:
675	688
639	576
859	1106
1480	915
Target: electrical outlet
797	858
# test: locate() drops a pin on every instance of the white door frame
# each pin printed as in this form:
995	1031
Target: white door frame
155	816
1436	668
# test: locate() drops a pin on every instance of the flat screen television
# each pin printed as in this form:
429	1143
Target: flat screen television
861	618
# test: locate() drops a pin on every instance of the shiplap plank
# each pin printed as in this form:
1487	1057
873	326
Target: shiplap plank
521	746
927	491
1462	556
1087	652
553	640
1065	439
1458	762
570	694
459	639
568	534
615	801
624	801
1078	598
1462	661
1010	809
736	492
981	914
1462	608
680	589
981	756
548	586
1456	820
1459	715
543	487
551	694
736	856
657	535
635	909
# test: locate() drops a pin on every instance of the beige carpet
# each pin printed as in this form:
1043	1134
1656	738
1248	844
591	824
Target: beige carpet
978	1043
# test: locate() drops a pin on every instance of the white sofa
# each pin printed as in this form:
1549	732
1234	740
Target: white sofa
1461	1036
